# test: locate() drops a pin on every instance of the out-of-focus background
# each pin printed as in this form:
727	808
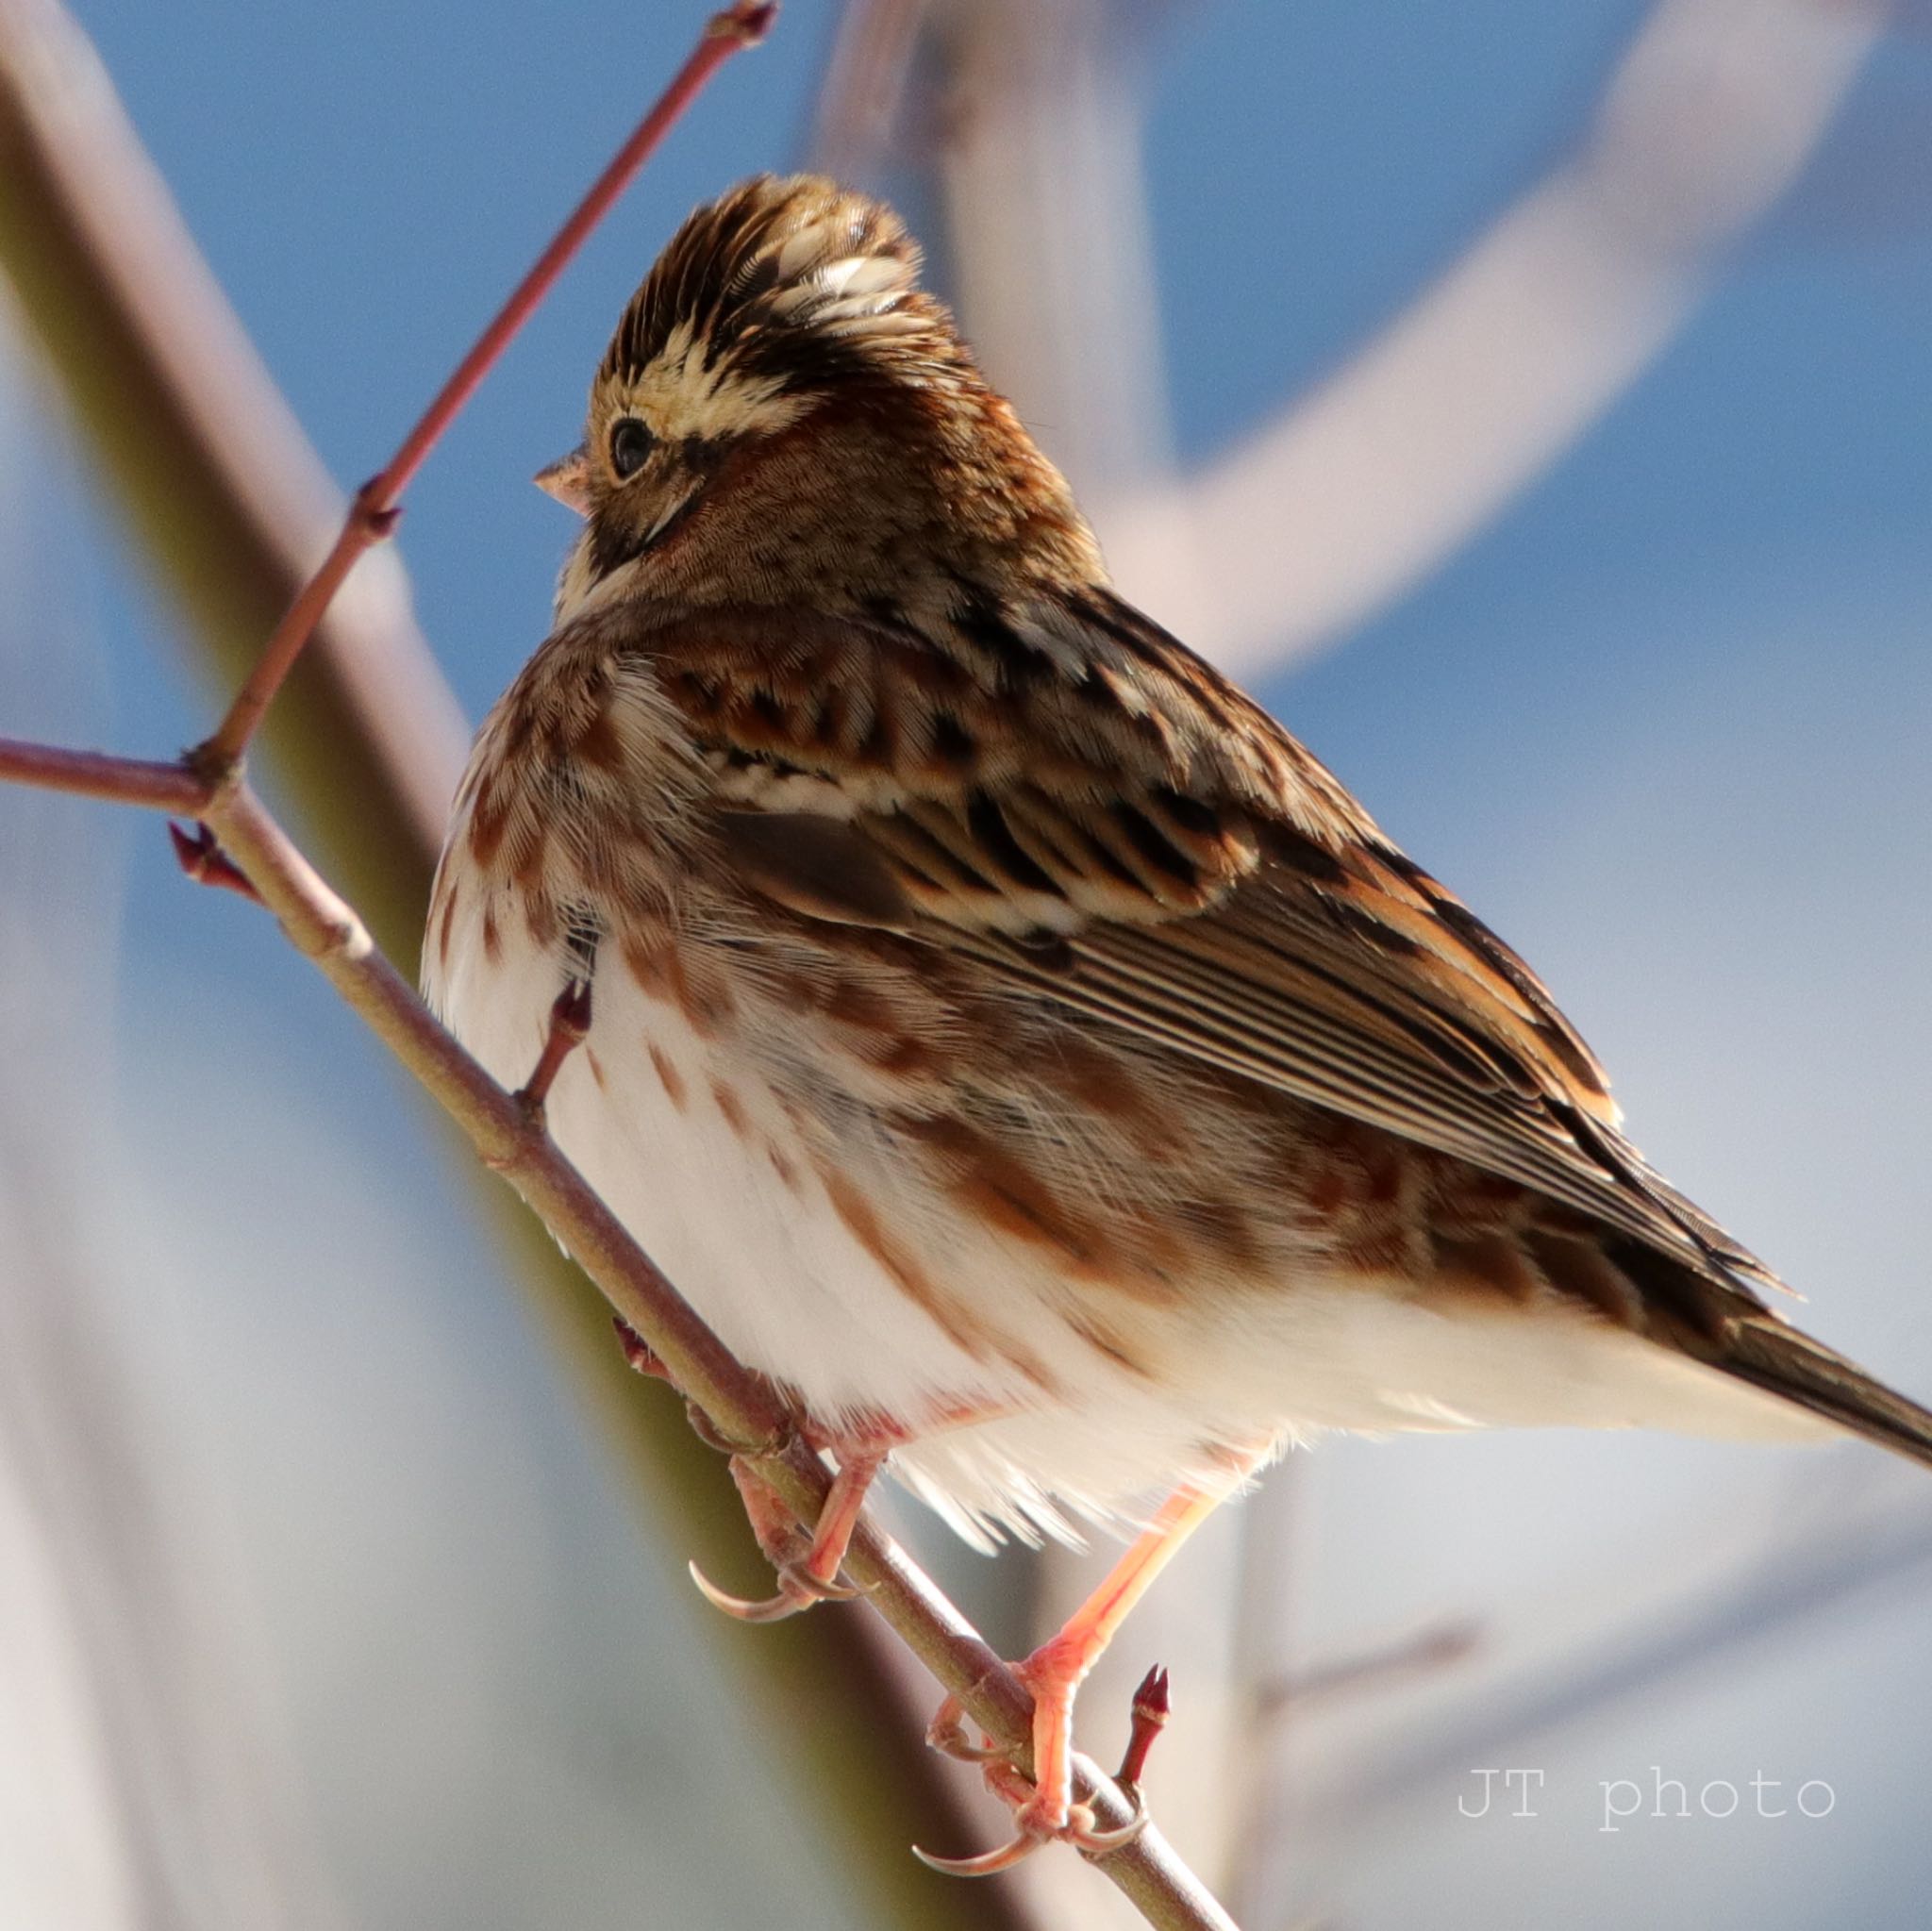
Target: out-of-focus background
1535	406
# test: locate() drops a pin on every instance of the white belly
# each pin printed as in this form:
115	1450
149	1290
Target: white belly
690	1149
685	1140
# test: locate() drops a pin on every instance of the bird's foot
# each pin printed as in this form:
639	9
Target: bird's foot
807	1566
1045	1812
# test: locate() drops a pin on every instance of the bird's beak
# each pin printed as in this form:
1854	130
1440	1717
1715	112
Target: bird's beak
568	479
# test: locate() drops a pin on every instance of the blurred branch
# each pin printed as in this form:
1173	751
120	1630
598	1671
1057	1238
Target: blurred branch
1427	432
1817	1567
1419	1654
862	96
734	1405
149	1785
234	509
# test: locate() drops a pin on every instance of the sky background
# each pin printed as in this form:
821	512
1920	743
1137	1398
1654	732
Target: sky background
1663	722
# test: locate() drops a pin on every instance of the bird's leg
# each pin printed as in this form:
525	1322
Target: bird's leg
809	1575
861	1451
1045	1809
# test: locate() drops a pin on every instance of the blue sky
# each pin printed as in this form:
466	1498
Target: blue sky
1663	720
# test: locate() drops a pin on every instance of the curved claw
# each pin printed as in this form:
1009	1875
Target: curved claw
796	1591
946	1734
1094	1843
988	1864
1079	1832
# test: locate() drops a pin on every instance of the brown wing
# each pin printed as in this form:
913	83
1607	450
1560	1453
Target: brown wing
1070	795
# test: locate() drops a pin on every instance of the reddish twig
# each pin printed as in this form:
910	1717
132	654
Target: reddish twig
375	511
1150	1714
736	1405
96	774
569	1025
200	856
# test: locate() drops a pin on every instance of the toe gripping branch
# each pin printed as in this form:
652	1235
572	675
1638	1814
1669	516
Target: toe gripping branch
1044	1810
807	1566
948	1735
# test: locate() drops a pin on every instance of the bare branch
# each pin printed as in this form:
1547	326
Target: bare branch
736	1405
1429	430
1817	1569
99	774
374	515
233	506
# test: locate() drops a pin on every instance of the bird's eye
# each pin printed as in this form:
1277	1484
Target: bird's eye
630	443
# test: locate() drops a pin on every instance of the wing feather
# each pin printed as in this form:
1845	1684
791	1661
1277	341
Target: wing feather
1173	863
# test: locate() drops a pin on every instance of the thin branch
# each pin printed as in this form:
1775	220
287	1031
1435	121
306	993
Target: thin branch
736	1405
232	506
374	515
99	774
1779	1588
1422	1653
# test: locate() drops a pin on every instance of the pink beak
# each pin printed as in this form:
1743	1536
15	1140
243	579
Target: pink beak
568	480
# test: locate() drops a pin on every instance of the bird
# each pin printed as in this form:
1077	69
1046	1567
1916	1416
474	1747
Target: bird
1011	1040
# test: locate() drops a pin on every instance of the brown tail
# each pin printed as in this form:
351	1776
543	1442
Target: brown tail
1782	1362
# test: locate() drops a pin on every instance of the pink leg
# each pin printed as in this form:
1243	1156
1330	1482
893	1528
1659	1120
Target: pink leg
860	1453
813	1577
1045	1810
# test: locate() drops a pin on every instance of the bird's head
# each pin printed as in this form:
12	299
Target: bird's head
784	409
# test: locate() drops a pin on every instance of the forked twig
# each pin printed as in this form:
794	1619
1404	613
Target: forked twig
240	844
511	1139
231	502
373	514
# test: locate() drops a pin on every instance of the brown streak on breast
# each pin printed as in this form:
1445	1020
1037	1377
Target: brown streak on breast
917	1285
539	914
907	1058
1098	1080
529	859
1104	1339
492	938
853	1003
488	820
1385	1248
668	1075
1581	1269
702	996
732	1108
1219	1220
648	960
1365	1193
1464	1201
999	1191
663	970
1033	1368
1489	1267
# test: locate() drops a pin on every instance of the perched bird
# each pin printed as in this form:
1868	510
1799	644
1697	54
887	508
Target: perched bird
1012	1041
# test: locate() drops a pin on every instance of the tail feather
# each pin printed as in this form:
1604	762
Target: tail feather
1781	1361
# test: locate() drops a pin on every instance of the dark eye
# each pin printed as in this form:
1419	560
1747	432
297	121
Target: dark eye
630	443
